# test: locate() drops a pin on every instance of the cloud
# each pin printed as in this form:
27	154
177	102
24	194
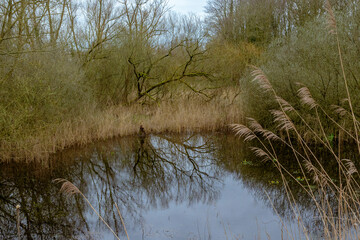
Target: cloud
187	6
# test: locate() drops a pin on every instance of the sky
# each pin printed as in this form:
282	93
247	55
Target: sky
187	6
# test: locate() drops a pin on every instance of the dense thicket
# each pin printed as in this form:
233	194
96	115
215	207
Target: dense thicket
297	49
61	60
260	21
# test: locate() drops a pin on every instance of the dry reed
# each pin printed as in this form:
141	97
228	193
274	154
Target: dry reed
70	189
343	221
122	221
18	221
186	113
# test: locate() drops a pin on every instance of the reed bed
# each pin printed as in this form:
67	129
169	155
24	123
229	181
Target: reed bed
186	113
337	200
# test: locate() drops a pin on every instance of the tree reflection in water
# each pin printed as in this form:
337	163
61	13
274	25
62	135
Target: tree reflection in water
137	173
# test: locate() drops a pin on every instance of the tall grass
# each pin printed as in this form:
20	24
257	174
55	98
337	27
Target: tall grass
342	220
188	112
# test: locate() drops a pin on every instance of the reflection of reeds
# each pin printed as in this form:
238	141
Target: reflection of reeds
340	221
70	189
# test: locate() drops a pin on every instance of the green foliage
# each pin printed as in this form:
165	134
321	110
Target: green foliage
261	21
228	61
246	162
40	91
275	182
308	57
54	67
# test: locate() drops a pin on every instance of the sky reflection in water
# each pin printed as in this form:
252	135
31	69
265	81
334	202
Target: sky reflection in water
167	187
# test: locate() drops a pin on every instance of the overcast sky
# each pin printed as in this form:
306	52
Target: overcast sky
187	6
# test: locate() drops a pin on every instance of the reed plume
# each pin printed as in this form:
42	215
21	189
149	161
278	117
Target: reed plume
18	221
69	189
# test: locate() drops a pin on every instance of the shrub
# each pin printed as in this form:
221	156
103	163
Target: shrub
39	90
309	57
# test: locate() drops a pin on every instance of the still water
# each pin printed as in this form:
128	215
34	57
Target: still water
201	186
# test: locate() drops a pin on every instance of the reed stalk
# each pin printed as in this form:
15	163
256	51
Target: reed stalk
18	221
339	223
70	189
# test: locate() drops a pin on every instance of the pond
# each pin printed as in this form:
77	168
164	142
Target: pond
190	186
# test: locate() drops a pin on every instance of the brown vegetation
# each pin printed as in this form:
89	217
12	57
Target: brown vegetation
69	80
184	114
342	221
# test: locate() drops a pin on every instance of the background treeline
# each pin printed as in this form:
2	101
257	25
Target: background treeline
76	71
260	21
297	49
83	62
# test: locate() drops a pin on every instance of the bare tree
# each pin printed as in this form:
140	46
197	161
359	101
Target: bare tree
147	83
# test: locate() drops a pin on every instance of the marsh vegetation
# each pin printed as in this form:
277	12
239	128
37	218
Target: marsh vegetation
76	72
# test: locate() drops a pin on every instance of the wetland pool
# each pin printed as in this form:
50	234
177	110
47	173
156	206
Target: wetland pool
189	186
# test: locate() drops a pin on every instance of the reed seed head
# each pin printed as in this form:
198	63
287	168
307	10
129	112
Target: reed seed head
331	21
67	187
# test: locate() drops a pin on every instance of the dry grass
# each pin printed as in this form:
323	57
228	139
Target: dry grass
186	113
18	221
339	221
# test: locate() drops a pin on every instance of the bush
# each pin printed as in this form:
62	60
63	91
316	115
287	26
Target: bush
309	57
38	90
228	61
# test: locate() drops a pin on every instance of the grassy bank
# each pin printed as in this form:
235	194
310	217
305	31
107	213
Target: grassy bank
187	113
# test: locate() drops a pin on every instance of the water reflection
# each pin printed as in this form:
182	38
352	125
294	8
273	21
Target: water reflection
158	181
